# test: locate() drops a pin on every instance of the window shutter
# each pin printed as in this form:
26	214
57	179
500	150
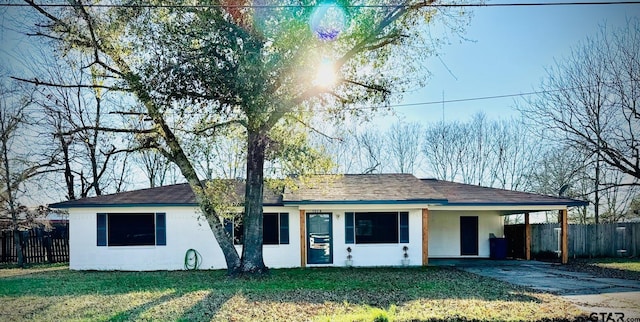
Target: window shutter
102	229
348	228
284	228
161	229
404	227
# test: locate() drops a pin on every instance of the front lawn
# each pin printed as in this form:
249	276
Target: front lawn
335	294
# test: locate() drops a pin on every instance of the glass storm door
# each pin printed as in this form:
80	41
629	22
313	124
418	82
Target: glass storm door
319	239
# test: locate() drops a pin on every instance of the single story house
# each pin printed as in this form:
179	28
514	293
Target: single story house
378	217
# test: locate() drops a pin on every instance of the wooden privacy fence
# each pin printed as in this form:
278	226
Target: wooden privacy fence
601	240
39	246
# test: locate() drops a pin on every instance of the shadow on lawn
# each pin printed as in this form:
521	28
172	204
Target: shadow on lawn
366	285
135	312
308	288
207	308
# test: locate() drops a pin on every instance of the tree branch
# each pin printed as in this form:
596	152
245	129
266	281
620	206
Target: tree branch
367	86
107	129
38	82
297	119
216	126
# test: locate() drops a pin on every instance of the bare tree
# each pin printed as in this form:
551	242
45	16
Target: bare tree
634	208
154	165
371	151
514	151
19	163
478	151
489	153
221	155
78	121
403	142
616	195
443	146
591	101
562	171
341	147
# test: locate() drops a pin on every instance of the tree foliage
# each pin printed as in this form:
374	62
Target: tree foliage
198	69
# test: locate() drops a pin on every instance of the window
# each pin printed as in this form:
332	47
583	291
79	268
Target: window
275	229
133	229
376	227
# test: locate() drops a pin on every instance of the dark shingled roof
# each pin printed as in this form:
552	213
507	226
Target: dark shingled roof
466	194
172	195
345	189
367	188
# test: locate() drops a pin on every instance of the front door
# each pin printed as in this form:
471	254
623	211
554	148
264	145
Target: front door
469	235
319	239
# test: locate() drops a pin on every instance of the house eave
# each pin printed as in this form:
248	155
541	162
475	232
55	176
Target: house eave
576	203
365	202
137	205
504	208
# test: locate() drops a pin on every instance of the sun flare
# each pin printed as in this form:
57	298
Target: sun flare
326	75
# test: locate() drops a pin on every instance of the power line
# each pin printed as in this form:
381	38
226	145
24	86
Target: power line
479	98
381	6
470	99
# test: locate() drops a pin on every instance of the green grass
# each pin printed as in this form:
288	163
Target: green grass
626	268
332	294
625	264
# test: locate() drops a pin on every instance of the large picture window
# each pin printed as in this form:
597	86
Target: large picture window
275	229
376	227
131	229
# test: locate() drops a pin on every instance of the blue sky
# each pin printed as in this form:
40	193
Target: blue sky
508	52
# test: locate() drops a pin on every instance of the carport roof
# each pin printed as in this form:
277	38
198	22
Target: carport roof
461	194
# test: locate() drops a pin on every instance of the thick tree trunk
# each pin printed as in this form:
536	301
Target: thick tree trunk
178	157
252	261
176	154
224	241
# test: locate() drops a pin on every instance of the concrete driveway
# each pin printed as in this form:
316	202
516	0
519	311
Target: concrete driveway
590	293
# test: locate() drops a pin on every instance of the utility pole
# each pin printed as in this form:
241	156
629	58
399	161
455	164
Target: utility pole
442	106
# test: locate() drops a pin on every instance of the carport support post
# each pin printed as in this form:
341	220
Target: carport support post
425	237
303	238
527	237
564	235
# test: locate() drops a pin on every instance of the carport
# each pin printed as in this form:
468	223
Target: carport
465	197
